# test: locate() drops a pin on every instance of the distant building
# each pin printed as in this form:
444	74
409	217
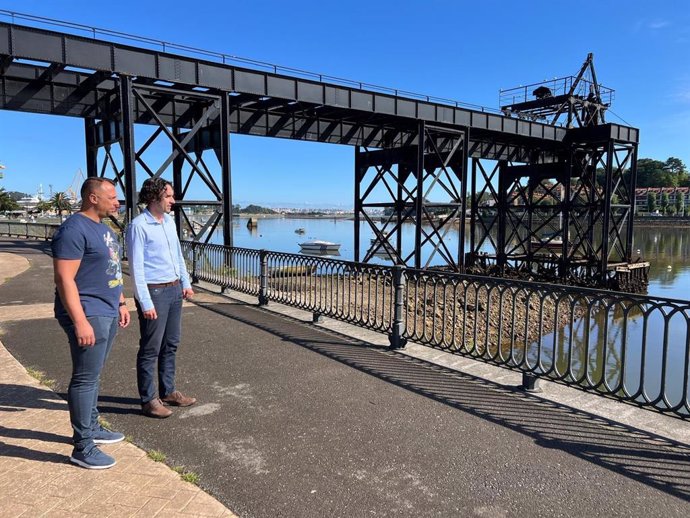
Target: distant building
642	195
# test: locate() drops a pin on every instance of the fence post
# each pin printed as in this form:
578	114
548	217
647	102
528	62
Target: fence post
195	277
263	279
398	325
530	383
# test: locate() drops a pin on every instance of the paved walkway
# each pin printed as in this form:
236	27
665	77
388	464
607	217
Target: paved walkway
36	478
301	420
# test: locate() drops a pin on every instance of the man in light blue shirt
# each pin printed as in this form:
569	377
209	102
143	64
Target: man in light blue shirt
161	282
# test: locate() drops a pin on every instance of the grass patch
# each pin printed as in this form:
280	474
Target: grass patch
187	476
129	438
156	455
41	377
104	423
191	477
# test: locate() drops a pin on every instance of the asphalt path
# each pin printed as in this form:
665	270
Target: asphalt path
296	421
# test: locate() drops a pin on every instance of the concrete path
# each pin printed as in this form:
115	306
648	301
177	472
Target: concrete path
299	420
36	478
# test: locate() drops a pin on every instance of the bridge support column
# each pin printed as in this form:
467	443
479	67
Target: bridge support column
128	151
423	184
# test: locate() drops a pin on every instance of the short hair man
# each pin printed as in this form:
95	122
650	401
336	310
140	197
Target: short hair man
89	305
161	282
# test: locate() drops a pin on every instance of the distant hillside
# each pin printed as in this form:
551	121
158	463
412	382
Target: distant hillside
256	209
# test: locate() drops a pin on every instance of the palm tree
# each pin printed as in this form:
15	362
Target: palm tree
60	201
44	206
6	201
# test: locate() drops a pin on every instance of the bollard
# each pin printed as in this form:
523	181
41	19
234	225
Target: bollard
263	279
530	383
398	325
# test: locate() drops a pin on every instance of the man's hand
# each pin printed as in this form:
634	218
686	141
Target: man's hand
124	316
150	314
188	293
84	333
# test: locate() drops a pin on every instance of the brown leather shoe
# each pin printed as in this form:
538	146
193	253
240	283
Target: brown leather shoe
155	408
177	399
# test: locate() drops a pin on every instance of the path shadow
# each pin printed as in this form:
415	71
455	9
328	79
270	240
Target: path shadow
25	246
15	398
647	458
114	404
20	433
19	398
12	450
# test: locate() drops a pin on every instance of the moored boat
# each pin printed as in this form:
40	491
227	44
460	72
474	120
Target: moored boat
318	245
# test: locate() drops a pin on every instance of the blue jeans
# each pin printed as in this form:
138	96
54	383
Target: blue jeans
87	363
158	343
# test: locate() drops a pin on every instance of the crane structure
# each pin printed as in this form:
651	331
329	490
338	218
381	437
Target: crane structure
72	191
568	217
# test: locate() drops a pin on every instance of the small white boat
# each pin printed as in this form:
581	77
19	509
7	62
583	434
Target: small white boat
319	246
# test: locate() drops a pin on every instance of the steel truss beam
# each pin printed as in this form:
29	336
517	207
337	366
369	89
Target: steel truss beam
569	220
402	183
186	158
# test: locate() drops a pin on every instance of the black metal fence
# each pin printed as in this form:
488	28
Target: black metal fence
630	347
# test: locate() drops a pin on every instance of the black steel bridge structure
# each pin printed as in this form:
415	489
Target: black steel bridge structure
546	200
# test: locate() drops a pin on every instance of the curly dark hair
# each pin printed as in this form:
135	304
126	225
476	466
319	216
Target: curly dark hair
152	190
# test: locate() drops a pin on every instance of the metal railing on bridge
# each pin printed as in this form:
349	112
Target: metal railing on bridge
629	347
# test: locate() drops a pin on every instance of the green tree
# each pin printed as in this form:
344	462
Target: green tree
44	206
6	201
60	202
680	203
665	202
651	202
675	166
257	209
652	173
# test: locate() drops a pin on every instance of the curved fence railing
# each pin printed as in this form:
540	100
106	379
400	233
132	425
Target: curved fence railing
630	347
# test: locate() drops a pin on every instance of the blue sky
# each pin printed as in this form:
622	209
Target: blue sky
460	50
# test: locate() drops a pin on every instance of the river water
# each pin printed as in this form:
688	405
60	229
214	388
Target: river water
667	249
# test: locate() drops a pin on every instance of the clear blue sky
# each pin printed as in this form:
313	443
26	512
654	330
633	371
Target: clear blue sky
460	50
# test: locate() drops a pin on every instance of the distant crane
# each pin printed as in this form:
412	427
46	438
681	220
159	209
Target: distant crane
75	186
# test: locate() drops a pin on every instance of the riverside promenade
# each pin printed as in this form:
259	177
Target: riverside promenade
301	420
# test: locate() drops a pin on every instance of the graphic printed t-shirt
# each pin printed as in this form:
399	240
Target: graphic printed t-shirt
99	277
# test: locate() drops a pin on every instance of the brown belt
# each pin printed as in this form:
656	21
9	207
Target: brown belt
165	284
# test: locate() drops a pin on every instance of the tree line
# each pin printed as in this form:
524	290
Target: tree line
655	173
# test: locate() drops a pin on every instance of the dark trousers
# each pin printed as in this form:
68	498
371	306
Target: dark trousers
158	343
87	363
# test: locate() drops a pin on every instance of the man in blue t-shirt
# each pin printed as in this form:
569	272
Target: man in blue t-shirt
89	305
